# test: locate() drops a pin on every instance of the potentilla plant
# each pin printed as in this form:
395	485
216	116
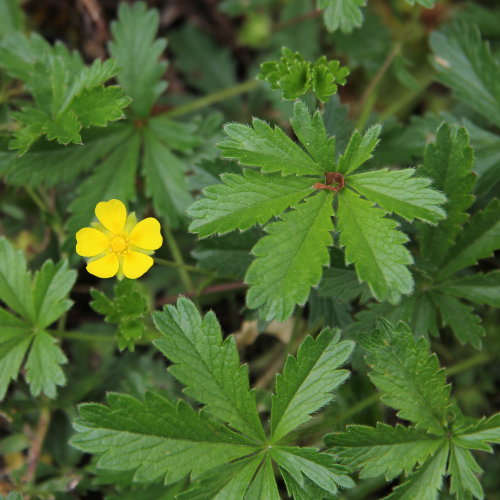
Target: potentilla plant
278	307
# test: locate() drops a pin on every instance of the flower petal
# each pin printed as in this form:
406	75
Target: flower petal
135	264
146	234
105	267
91	242
112	215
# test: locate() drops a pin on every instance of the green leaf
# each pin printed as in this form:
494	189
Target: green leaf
137	52
127	309
459	317
196	348
165	179
245	200
307	381
50	164
267	148
13	348
311	132
343	284
320	468
383	449
43	370
295	76
359	150
465	64
155	438
343	14
113	178
11	19
226	482
375	246
462	469
15	281
290	258
448	162
51	285
408	377
100	105
401	192
479	434
426	482
424	3
478	240
264	484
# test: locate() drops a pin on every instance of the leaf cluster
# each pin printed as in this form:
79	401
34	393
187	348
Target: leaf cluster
34	303
440	438
290	258
295	76
223	447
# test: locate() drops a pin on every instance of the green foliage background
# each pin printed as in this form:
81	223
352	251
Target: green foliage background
322	321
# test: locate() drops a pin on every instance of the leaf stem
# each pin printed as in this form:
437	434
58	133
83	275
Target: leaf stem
187	267
214	97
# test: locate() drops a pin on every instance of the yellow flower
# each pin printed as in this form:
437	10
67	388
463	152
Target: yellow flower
118	244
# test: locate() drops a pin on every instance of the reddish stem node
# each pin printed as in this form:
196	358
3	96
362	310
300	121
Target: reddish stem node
330	178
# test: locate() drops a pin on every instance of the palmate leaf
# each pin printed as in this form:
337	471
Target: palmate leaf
155	438
466	65
479	288
307	381
225	208
137	52
479	239
359	150
409	379
375	246
383	449
343	14
463	470
36	304
449	162
289	260
401	192
208	366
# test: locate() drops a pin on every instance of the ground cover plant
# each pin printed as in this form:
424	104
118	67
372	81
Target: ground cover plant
249	250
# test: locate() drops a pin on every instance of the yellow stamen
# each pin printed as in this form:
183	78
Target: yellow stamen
118	244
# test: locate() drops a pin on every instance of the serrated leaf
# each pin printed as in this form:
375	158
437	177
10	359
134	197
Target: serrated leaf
12	350
289	260
43	370
343	14
311	132
267	148
51	285
320	468
462	469
480	433
263	484
226	482
113	178
448	162
459	317
245	200
375	246
50	164
307	381
343	284
465	64
479	288
100	105
15	281
359	150
401	192
155	438
137	52
426	482
208	366
383	449
408	377
165	179
478	240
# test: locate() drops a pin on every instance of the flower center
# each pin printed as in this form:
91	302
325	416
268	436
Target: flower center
118	244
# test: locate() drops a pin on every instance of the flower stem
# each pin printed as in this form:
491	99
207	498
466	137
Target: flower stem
187	267
214	97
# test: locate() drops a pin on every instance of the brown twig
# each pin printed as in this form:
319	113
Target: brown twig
37	443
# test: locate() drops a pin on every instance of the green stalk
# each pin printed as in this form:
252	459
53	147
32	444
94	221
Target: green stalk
220	95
